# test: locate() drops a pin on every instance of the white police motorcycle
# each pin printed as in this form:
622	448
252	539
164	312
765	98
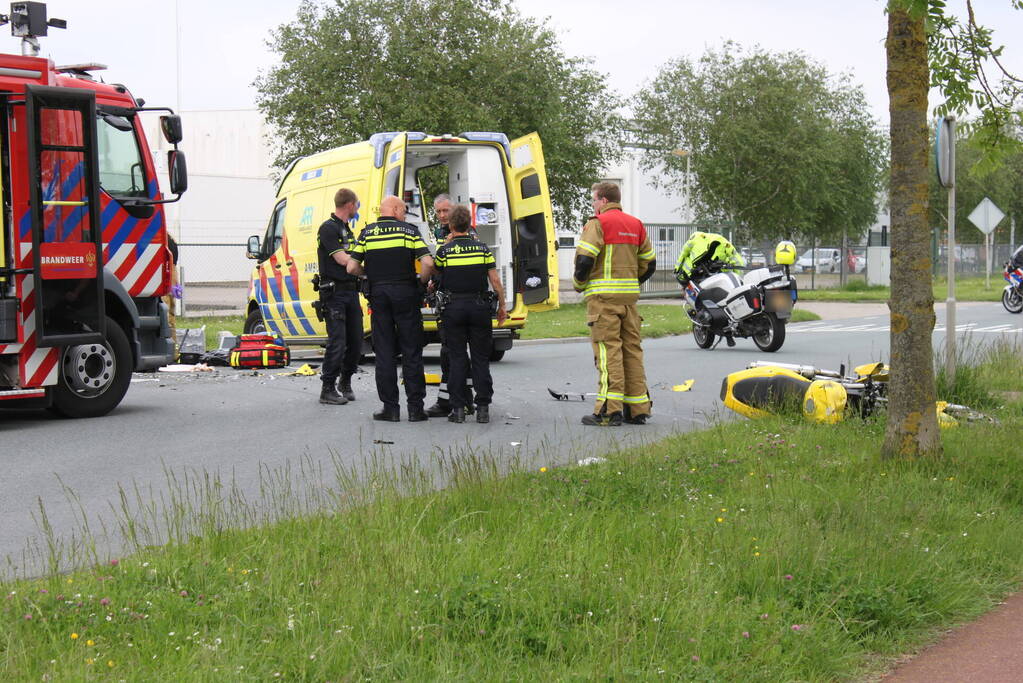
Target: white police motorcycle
721	305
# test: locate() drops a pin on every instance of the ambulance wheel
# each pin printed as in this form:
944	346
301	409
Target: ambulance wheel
254	324
496	356
93	378
773	336
702	335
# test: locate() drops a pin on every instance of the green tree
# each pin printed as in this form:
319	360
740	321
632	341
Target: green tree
951	56
351	68
780	146
1003	185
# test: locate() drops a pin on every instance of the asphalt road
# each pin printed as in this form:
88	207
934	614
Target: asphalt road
239	424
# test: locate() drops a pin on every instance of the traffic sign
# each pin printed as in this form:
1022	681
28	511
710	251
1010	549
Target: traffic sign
986	216
945	151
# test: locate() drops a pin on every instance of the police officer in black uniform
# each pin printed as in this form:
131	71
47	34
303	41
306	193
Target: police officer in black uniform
386	252
442	206
339	301
466	265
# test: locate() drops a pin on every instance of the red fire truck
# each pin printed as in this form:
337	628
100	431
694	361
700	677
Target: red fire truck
83	244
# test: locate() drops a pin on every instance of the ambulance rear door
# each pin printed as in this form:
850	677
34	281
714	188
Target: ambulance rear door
394	166
534	242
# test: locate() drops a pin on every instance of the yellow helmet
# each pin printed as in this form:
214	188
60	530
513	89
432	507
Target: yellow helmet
785	253
824	401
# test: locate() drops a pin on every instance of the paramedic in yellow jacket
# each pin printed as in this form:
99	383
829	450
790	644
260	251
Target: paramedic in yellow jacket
613	258
705	246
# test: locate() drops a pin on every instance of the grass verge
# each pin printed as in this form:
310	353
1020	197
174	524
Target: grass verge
774	550
659	320
567	321
967	289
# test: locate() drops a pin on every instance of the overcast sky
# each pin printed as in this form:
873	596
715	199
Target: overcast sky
223	42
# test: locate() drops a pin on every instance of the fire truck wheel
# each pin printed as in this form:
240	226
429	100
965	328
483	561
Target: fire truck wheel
93	378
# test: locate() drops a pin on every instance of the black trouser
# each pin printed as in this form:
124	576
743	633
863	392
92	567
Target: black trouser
443	395
467	322
397	324
343	315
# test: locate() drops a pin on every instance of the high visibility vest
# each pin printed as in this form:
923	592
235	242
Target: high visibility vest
617	248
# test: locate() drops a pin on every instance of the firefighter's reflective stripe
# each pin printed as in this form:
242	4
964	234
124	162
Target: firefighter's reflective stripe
647	255
611	396
578	284
589	248
612	286
636	399
602	369
608	254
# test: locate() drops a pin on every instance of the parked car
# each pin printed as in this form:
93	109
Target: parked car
826	260
753	258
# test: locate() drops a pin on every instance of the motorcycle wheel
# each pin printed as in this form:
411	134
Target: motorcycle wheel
1012	300
773	337
702	335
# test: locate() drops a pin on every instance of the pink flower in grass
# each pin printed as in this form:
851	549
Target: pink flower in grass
745	634
788	577
104	601
798	627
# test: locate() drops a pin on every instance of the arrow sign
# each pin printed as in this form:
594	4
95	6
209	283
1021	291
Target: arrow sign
986	216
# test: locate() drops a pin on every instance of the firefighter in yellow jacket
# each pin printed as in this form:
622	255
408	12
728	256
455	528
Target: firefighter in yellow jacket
613	258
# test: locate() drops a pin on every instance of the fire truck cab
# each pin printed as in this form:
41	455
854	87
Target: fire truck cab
83	245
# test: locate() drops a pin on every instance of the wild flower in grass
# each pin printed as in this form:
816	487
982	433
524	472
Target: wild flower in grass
90	643
788	577
43	591
74	636
90	660
745	634
764	616
110	663
543	469
28	617
114	562
798	627
183	594
104	601
756	554
695	658
720	519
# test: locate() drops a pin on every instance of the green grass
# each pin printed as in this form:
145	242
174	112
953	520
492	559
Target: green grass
967	289
766	551
214	324
659	320
567	321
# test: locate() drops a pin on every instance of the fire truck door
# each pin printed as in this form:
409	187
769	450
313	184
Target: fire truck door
63	191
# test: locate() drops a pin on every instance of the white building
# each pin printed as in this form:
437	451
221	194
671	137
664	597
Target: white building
662	211
231	193
230	190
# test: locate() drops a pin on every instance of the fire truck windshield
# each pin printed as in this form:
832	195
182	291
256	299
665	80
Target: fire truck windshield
121	172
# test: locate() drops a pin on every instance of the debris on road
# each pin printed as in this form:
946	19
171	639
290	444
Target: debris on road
591	461
567	396
685	386
305	370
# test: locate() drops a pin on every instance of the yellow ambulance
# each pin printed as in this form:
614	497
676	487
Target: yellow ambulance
503	182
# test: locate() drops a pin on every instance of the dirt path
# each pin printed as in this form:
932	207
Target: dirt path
989	650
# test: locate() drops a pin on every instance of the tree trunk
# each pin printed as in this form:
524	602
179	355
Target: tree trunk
912	423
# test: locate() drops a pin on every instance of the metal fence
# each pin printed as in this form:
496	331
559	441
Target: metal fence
213	263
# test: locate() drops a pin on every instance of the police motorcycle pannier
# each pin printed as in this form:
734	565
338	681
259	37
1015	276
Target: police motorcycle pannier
259	351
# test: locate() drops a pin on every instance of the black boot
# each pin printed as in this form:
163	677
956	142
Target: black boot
329	396
346	388
439	409
417	414
457	415
482	414
387	415
595	420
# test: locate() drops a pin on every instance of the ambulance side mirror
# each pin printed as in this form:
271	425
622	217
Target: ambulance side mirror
170	125
177	170
252	250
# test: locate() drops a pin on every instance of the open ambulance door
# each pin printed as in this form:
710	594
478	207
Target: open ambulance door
67	237
394	167
535	255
